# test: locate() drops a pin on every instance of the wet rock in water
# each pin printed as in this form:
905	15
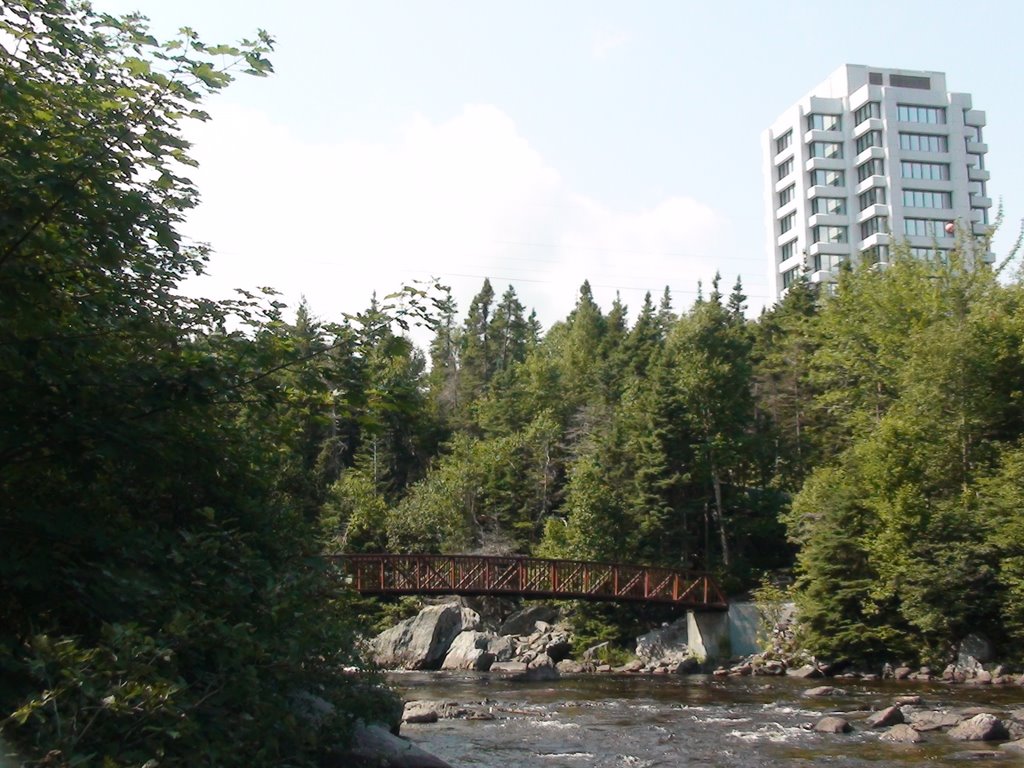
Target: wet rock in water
524	622
906	700
824	690
508	667
902	673
985	727
929	720
420	712
422	642
1014	746
469	650
603	668
631	666
833	724
806	671
885	717
903	734
373	745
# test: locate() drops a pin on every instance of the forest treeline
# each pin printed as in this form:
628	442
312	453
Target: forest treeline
866	442
172	469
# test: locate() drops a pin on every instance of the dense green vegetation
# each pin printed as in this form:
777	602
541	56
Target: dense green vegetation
172	468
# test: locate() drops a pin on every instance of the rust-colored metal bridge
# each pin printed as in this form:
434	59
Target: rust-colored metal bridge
390	574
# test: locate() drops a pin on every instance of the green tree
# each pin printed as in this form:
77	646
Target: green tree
161	596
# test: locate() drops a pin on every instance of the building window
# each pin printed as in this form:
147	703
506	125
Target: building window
785	169
789	250
828	234
940	255
931	171
869	110
786	196
828	149
830	205
908	113
824	122
921	198
874	196
790	276
925	227
875	78
875	254
827	178
786	222
924	142
873	226
873	167
869	139
783	141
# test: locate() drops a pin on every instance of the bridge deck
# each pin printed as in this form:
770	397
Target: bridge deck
390	574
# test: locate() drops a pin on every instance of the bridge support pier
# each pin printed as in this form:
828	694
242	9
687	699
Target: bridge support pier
707	634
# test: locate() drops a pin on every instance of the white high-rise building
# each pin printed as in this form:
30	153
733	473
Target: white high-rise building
870	157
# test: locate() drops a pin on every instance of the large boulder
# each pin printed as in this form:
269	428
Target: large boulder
469	650
984	727
833	724
375	747
524	622
669	642
422	642
903	734
885	717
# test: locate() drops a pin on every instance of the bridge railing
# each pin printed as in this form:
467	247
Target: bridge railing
392	574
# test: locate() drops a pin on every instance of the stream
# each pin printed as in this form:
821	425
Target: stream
699	720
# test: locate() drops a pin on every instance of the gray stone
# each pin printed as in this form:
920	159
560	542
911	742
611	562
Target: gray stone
569	667
667	642
503	648
422	642
1014	746
902	673
373	745
833	724
508	667
420	712
973	649
928	720
524	622
903	734
469	651
912	698
806	671
825	690
984	727
885	717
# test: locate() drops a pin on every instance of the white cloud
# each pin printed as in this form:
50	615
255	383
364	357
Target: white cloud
460	199
606	39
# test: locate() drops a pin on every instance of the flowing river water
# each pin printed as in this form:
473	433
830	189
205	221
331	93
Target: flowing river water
643	722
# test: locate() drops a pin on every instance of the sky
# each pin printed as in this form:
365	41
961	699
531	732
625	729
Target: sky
540	143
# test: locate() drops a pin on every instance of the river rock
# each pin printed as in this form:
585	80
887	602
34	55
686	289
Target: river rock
902	673
422	642
502	648
374	746
833	724
508	667
420	712
806	671
824	690
569	667
469	650
667	642
1014	746
985	727
524	622
912	698
929	720
974	649
903	734
885	717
